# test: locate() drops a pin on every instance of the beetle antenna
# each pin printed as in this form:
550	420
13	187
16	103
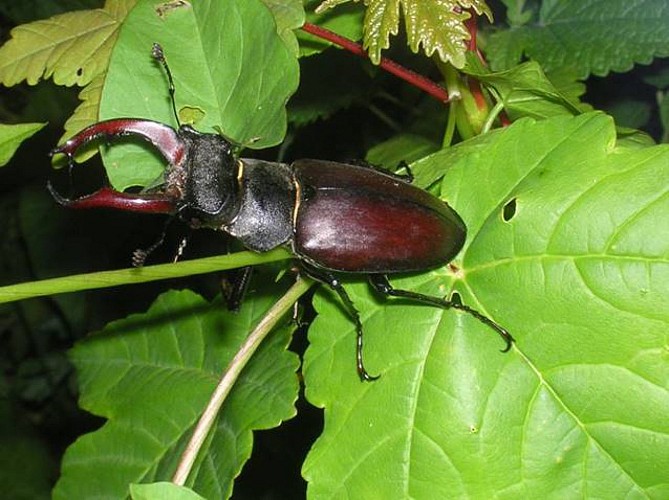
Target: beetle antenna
159	55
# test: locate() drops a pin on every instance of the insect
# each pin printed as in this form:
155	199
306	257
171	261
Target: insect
336	218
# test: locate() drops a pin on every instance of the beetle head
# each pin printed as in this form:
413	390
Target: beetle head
210	194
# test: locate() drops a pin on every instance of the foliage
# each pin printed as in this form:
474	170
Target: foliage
424	23
11	136
587	37
563	192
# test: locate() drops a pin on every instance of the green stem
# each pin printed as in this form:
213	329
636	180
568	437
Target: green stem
106	279
494	113
231	374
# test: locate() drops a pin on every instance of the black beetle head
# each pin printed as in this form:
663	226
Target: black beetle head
211	188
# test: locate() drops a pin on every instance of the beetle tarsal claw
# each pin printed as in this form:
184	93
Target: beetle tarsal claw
139	257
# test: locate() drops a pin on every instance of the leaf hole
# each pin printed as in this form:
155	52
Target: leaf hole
509	210
455	297
80	71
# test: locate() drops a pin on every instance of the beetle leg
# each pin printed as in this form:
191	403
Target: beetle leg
234	286
381	284
408	177
140	255
338	287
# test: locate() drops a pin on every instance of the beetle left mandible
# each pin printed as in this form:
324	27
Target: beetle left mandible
337	218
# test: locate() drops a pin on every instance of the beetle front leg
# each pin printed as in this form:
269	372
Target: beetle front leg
381	284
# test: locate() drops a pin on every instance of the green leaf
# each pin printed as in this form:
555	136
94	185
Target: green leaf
436	25
346	21
26	464
328	83
162	491
659	79
586	37
73	48
151	376
228	62
29	10
11	137
86	114
579	273
632	113
517	12
400	148
664	117
525	91
289	15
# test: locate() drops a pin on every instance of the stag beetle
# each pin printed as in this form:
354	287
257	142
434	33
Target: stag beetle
337	218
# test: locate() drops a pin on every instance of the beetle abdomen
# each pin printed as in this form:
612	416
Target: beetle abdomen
359	220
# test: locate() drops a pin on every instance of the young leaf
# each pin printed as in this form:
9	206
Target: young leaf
151	376
437	25
587	37
11	137
229	65
525	91
568	249
73	48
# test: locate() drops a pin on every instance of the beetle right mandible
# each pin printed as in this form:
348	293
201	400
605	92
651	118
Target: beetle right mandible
337	218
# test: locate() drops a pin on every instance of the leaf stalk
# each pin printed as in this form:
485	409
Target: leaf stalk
231	374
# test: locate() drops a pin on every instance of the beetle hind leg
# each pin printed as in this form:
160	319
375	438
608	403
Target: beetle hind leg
381	284
338	287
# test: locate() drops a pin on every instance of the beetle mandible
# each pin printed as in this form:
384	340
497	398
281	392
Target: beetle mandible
337	218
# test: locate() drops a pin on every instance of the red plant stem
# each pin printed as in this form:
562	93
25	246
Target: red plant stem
472	27
475	86
425	84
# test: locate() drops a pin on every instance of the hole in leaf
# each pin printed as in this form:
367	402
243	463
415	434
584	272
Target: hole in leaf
509	210
80	71
455	297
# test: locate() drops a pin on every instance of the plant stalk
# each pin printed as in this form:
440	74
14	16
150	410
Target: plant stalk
131	276
231	374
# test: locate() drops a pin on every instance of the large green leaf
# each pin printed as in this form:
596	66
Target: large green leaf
151	376
586	36
578	272
232	71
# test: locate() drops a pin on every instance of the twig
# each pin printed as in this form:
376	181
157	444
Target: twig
419	81
231	374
